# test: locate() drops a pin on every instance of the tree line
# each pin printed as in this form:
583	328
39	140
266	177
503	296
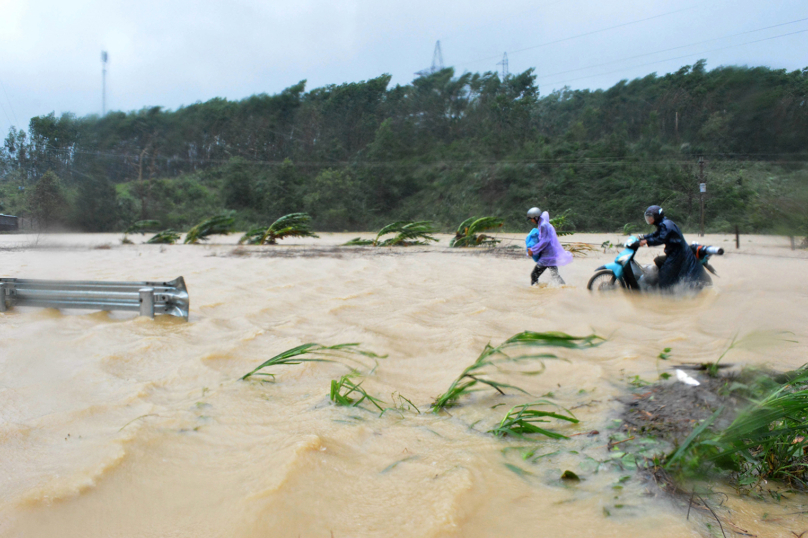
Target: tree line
441	148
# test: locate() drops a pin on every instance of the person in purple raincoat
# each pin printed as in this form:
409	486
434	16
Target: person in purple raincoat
543	246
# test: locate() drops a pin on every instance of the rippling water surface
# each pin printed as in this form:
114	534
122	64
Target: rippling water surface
112	425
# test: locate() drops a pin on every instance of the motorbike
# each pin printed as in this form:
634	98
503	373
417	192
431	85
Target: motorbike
626	273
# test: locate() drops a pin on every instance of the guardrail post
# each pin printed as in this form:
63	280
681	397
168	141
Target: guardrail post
147	302
3	306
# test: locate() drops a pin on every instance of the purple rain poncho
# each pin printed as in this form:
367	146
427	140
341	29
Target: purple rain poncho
544	245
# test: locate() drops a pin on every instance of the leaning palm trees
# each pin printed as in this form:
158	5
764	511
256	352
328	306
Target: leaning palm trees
218	225
292	225
469	233
407	233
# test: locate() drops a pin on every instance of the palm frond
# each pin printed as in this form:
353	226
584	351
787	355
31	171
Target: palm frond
407	232
166	237
359	242
313	352
218	225
291	225
469	233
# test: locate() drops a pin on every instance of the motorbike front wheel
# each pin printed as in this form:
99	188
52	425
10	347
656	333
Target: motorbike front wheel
604	280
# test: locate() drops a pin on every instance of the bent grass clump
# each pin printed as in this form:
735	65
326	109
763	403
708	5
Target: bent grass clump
291	225
493	357
521	420
408	233
766	441
343	388
469	233
313	352
218	225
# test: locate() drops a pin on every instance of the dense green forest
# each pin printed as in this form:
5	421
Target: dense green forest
443	148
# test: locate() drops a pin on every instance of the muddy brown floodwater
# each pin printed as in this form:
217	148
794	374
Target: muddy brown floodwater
113	425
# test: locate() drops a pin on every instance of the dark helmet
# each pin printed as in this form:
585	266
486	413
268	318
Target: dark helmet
655	212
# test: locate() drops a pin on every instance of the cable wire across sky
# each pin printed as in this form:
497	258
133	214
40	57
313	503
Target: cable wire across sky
682	57
585	34
671	49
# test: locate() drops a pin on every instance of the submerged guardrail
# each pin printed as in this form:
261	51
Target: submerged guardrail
147	298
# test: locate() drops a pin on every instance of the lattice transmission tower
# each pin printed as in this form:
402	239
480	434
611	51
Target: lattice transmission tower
504	64
437	62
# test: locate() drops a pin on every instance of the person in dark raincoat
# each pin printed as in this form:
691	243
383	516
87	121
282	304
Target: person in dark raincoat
680	264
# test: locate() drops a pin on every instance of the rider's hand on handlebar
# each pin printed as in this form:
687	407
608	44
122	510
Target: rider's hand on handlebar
643	242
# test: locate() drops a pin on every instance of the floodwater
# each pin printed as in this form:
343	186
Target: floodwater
113	425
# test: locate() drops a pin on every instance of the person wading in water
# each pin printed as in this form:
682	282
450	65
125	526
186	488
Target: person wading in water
543	246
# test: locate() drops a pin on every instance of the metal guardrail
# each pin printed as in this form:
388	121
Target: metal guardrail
147	298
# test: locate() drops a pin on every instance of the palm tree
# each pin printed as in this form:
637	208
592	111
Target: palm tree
469	234
218	225
408	233
292	225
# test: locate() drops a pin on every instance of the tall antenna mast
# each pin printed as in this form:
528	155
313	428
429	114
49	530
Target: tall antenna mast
504	64
104	60
437	62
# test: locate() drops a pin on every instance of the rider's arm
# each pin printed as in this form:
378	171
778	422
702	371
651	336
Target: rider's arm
659	237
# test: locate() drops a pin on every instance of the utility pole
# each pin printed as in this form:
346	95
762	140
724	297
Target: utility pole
702	190
504	64
104	59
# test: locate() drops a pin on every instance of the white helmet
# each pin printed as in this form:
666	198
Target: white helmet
534	213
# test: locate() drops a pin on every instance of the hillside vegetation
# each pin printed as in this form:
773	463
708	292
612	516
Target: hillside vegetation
359	155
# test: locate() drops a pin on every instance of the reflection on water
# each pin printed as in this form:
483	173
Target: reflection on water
120	426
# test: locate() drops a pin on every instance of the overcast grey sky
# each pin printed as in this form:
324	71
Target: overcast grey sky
171	53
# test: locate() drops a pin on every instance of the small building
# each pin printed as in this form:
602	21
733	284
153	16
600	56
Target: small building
9	223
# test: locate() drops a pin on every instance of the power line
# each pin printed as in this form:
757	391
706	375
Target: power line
681	57
672	48
9	104
593	32
6	114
